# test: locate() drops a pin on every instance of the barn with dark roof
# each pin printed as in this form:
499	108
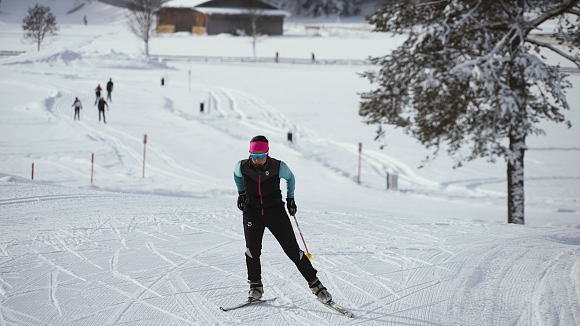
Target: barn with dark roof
220	16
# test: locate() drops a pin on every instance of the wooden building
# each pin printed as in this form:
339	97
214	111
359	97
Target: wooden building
220	16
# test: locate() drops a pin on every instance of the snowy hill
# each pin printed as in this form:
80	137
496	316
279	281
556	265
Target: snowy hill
168	249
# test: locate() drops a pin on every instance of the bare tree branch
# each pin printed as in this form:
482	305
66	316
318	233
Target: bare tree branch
552	13
141	19
39	24
556	50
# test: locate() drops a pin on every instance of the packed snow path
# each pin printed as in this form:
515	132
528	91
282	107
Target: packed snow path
81	257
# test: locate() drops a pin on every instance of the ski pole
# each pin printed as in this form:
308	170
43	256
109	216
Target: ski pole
308	255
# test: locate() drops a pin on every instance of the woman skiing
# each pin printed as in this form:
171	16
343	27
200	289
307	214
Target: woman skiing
260	198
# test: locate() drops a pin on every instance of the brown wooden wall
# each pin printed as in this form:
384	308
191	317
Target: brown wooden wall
183	19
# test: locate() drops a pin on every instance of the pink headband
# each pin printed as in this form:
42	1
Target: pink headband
258	146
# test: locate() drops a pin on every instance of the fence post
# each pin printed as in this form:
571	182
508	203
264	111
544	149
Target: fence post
92	166
392	181
32	170
144	148
190	80
359	160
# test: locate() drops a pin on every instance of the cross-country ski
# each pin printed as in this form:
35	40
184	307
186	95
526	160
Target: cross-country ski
247	304
332	305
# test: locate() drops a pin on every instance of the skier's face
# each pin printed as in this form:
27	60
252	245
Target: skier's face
257	160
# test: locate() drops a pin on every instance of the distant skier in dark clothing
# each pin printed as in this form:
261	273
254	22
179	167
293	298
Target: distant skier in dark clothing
109	89
98	93
78	106
313	58
101	107
85	19
260	198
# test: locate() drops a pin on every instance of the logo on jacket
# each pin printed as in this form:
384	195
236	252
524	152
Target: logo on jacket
249	224
267	173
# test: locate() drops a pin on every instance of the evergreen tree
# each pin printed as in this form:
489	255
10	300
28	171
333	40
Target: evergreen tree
470	74
317	8
39	24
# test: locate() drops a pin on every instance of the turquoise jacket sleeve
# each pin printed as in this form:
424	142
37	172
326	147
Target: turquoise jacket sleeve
285	173
239	178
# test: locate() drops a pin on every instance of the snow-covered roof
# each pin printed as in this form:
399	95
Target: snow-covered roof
241	11
183	3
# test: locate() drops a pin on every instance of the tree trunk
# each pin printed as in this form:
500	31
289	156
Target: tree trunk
515	179
147	47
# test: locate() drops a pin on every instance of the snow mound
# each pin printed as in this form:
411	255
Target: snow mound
112	59
109	59
65	57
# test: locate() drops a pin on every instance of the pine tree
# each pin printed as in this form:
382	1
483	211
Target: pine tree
317	8
470	74
39	24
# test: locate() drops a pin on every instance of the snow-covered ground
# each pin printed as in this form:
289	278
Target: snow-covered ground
168	249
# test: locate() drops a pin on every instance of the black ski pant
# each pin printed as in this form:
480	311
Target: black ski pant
103	112
77	114
98	94
109	96
279	224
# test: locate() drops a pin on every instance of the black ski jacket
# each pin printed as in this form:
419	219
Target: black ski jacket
262	186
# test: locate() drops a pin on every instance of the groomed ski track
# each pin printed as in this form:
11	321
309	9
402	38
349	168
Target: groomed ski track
149	260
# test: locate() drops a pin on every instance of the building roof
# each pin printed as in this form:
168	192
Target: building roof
241	11
183	3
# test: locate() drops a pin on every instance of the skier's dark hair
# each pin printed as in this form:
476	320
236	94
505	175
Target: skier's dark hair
259	138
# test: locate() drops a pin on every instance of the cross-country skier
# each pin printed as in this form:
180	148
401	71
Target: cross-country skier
101	107
109	89
98	93
260	198
78	106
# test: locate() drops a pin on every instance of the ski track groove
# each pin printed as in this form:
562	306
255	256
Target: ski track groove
52	290
120	146
65	246
197	303
167	274
280	294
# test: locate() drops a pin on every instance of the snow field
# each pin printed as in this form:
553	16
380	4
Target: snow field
168	249
146	260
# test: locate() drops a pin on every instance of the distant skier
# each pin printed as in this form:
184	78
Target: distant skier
260	198
78	106
98	93
276	57
101	107
85	19
313	58
109	89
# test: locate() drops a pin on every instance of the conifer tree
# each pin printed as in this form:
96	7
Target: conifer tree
470	77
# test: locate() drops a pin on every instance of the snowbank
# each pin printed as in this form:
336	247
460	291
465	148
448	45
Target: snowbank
74	59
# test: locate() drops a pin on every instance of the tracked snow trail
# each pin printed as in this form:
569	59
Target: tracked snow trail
176	261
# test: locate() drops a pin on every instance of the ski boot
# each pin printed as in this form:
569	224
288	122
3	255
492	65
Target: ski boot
256	290
320	291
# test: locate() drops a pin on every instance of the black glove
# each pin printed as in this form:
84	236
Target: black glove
242	201
291	205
